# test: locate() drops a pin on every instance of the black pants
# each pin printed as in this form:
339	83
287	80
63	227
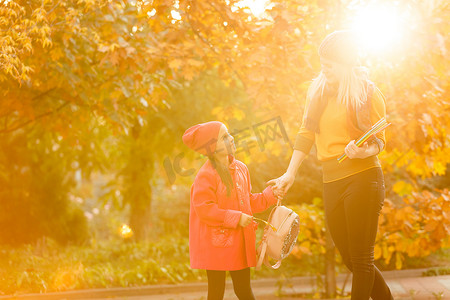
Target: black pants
241	284
352	207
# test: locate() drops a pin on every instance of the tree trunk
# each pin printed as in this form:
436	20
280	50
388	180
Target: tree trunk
140	216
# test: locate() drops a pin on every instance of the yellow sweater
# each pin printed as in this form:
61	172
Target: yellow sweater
334	136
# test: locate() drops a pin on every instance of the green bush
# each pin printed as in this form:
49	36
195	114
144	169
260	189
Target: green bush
34	197
48	266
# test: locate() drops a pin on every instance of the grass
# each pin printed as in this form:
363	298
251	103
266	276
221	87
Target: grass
49	267
437	271
100	265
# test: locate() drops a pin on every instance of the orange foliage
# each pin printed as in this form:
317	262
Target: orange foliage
415	229
67	64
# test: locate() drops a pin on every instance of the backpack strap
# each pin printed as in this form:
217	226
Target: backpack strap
261	254
263	246
262	249
262	258
268	264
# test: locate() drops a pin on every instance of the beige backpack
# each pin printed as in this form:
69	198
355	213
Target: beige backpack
280	235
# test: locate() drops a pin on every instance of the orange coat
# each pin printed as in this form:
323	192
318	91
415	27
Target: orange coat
216	241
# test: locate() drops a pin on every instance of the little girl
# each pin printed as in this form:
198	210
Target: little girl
221	227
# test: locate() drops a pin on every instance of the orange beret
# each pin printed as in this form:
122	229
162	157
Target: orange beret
203	137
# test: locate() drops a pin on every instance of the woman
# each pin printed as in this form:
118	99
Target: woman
341	105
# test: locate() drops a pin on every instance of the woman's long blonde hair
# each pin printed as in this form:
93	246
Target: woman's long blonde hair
352	88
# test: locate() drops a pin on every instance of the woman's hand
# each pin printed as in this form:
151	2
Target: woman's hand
281	185
245	220
353	151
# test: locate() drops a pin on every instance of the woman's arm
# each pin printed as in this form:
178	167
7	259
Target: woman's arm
378	111
303	143
295	163
285	181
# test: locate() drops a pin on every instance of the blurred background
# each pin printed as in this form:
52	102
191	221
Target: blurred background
96	94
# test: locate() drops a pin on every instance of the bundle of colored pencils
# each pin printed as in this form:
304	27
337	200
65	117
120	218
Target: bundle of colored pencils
377	127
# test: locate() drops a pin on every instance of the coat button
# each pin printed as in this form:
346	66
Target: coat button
242	202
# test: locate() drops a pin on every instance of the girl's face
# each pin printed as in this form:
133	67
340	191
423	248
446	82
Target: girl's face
330	69
225	143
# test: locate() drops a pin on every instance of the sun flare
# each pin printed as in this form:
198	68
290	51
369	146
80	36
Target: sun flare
378	28
257	7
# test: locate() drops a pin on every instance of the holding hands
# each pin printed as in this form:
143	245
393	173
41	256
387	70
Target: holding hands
281	185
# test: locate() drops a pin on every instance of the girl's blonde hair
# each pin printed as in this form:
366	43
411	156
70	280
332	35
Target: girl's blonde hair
352	88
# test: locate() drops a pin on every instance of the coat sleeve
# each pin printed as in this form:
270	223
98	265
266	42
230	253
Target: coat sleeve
378	111
204	201
260	201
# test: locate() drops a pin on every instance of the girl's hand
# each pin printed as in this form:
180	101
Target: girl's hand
281	185
277	193
353	151
245	220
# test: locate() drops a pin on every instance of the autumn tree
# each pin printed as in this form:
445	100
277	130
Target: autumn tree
104	80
